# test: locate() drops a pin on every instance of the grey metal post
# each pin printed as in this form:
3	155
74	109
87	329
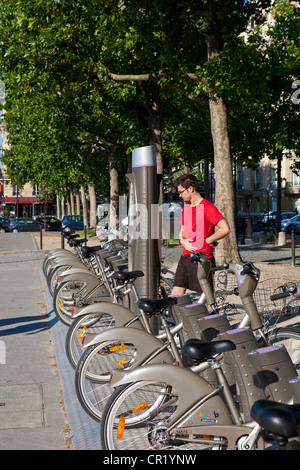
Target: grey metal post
293	248
143	250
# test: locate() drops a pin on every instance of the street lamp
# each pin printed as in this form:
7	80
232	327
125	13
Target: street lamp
16	168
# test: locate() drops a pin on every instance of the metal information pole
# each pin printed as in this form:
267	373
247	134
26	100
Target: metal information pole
143	250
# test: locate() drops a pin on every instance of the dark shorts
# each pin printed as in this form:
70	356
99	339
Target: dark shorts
186	275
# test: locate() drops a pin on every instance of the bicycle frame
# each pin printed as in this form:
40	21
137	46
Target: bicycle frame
200	407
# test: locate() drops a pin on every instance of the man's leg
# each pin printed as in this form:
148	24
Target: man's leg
178	290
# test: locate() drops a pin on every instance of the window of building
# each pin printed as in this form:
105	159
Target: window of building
295	179
256	179
240	178
15	191
273	177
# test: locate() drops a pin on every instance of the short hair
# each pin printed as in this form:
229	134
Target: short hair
186	181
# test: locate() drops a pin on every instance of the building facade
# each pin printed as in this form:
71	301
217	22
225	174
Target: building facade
19	202
256	190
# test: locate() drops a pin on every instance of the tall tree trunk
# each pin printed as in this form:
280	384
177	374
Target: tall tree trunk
62	201
68	203
84	206
114	194
72	202
77	197
227	249
279	181
93	206
58	207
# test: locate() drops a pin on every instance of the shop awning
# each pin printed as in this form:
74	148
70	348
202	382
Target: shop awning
21	200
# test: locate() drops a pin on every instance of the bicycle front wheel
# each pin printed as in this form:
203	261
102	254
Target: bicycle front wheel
93	372
64	299
136	416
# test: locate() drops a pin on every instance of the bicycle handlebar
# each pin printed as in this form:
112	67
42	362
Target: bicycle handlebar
247	269
198	256
220	268
291	290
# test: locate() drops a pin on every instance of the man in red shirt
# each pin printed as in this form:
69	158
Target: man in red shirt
202	226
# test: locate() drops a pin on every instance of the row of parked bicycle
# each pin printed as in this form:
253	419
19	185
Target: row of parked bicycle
227	378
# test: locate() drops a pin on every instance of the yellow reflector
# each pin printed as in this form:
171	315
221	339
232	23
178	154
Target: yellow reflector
82	332
61	302
139	407
121	426
122	361
118	348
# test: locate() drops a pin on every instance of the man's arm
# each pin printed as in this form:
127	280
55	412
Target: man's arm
222	231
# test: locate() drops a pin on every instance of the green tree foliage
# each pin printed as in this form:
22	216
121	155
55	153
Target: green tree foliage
89	81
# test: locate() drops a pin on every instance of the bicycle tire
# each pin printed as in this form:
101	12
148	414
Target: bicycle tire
52	276
73	343
166	287
65	290
92	386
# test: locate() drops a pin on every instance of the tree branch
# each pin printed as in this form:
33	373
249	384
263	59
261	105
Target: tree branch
149	76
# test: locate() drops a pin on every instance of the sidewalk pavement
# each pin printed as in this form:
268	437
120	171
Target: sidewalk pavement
270	253
38	406
31	413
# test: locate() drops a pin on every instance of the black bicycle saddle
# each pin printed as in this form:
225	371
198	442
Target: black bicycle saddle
277	418
203	350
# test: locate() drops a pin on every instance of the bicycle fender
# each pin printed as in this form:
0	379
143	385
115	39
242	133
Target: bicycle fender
145	343
58	251
191	389
75	272
79	274
69	261
65	263
56	257
121	316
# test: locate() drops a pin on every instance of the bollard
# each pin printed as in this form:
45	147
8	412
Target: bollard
281	239
293	248
41	238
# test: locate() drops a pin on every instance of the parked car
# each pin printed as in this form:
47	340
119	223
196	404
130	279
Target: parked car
5	221
288	225
25	224
52	223
3	228
75	222
272	215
